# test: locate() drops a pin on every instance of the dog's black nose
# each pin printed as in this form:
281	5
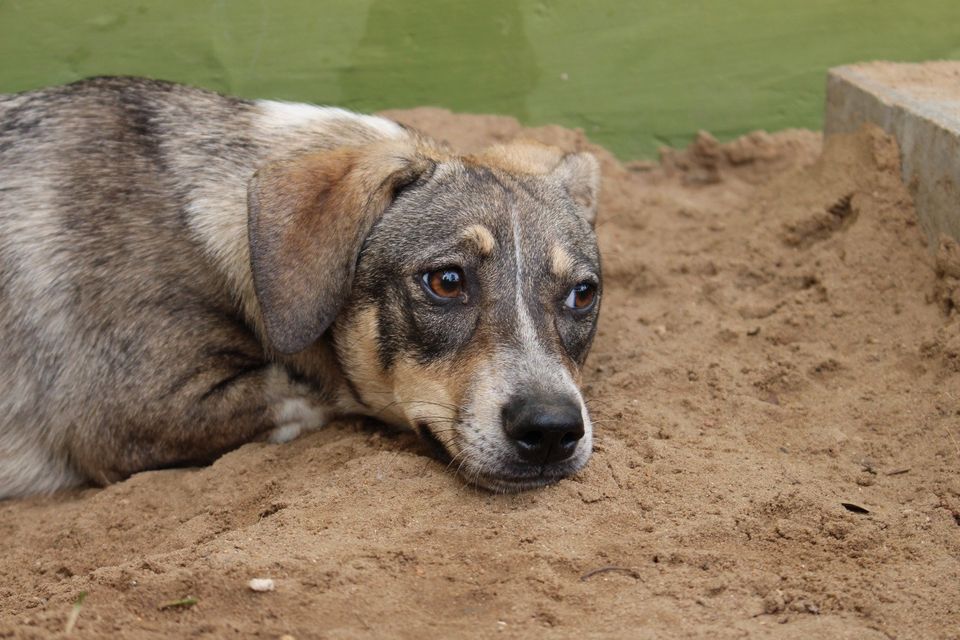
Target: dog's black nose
543	428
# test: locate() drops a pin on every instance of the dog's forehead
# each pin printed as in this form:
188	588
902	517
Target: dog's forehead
465	199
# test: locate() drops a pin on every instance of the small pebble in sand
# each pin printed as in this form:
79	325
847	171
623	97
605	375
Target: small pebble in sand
261	584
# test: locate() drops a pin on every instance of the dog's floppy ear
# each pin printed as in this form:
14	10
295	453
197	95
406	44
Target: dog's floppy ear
579	173
307	219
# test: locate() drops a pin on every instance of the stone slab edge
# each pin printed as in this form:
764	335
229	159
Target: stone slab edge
928	134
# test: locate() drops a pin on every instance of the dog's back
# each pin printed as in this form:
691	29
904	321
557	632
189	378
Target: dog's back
89	190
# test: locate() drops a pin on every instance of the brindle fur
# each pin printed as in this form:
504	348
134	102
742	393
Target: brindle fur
182	272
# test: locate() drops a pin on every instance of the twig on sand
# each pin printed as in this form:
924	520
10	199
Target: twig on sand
74	613
189	601
854	508
898	472
363	622
633	573
954	440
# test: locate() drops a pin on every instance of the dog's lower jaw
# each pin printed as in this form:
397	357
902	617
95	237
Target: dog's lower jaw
504	485
505	482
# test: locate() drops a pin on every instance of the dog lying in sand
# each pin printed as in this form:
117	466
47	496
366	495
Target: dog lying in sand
183	272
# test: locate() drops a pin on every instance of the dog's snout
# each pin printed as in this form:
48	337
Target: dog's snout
543	429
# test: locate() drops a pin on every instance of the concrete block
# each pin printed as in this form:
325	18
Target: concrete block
920	105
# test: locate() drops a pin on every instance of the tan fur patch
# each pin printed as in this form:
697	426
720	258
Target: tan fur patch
433	394
561	263
426	391
480	236
411	393
428	395
522	156
431	149
357	344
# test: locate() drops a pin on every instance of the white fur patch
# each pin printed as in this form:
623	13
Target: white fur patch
527	332
294	416
294	115
27	467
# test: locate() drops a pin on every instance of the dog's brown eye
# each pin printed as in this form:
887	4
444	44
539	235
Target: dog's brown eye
445	283
581	297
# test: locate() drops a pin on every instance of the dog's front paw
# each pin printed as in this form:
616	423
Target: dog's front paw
294	416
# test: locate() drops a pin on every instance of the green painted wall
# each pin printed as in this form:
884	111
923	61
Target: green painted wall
634	75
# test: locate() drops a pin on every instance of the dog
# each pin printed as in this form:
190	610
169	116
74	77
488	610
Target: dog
183	272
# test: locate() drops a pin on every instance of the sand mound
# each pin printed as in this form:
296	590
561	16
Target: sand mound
775	383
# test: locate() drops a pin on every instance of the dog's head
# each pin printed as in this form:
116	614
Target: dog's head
462	293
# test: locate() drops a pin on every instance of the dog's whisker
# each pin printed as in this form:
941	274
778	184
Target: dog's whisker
393	403
380	412
463	455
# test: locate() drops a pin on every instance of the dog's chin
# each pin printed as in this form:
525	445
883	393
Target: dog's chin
515	479
505	484
502	476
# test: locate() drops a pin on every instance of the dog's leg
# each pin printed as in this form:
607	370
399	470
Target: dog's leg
205	418
294	408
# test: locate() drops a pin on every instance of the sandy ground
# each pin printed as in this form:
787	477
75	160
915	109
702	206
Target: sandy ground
776	341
